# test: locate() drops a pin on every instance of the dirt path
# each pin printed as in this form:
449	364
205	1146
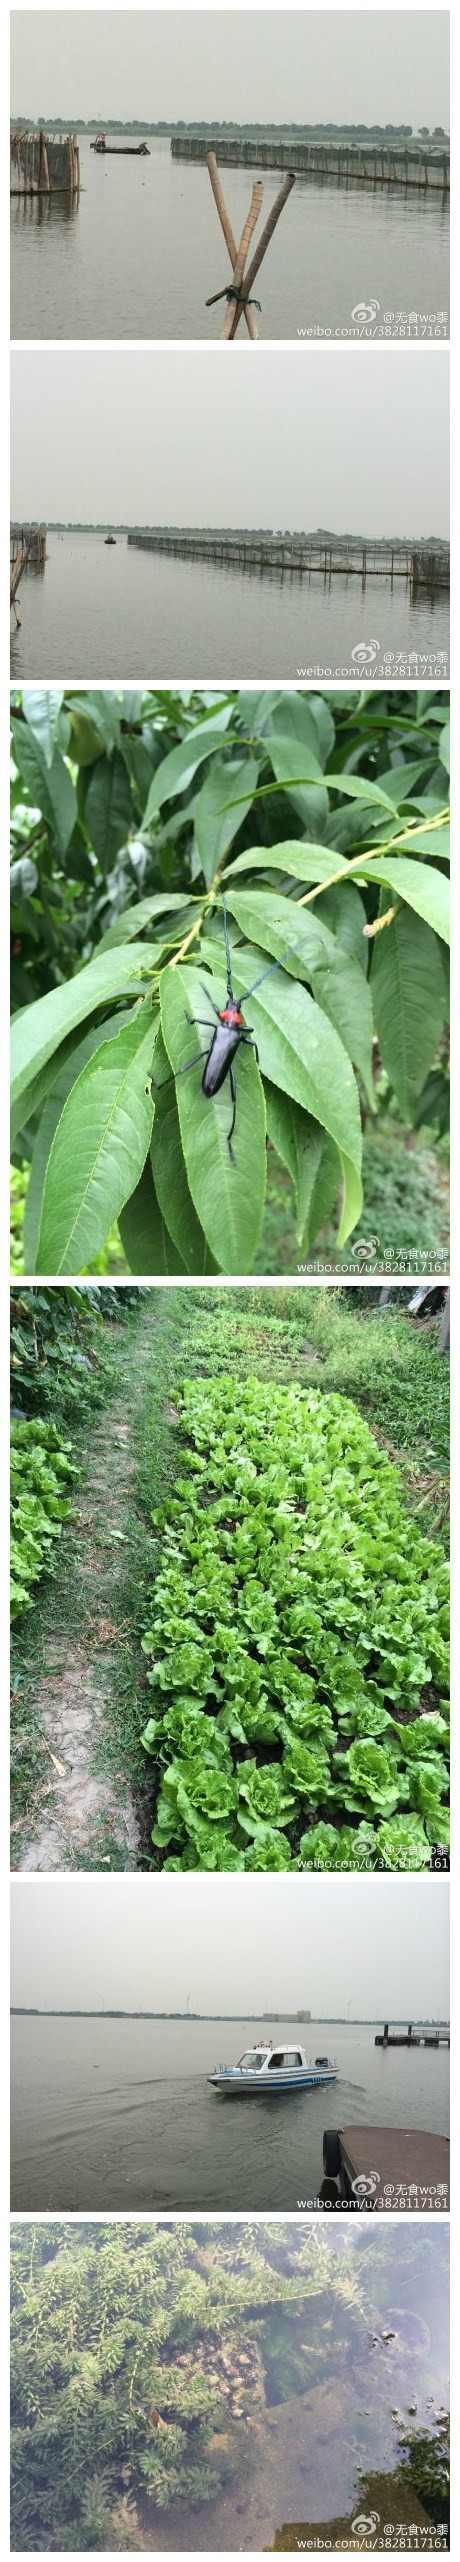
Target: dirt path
87	1814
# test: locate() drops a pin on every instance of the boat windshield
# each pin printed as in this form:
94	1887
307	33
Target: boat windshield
251	2063
288	2060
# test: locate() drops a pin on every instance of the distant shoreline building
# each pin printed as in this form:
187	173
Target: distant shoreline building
286	2014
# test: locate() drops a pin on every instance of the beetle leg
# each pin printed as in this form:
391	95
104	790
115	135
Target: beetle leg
250	1036
159	1082
233	1119
200	1018
188	1063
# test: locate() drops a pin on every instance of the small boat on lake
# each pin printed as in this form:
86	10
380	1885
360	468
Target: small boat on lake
120	150
267	2069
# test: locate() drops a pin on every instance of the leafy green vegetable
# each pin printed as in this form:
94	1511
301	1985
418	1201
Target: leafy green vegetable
299	1614
60	1364
40	1470
373	1776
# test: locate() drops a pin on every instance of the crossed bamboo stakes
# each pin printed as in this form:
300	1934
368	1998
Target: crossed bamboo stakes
238	295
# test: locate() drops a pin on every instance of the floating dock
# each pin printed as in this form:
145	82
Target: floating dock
372	164
384	2166
303	556
413	2036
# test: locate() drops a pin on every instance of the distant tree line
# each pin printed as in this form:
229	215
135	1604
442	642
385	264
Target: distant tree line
245	533
164	125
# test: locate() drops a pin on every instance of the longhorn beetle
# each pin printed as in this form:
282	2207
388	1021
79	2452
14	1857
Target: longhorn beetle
230	1031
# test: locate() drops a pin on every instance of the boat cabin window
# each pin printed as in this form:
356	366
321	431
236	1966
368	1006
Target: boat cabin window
290	2060
251	2063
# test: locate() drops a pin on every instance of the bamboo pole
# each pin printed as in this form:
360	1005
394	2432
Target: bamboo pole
18	564
230	242
266	236
234	309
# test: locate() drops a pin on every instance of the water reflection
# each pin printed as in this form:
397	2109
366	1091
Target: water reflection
41	212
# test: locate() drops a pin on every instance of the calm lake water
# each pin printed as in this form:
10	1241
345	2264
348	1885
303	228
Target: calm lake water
139	252
118	2113
147	615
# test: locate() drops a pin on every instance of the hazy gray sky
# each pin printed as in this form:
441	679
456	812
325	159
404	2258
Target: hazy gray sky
352	66
234	1942
353	440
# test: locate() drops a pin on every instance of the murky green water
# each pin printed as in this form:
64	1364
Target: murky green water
336	2410
229	2388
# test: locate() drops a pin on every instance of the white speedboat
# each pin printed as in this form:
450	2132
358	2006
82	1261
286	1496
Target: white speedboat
267	2070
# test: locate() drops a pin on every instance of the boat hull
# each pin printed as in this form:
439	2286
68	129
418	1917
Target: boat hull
234	2085
121	150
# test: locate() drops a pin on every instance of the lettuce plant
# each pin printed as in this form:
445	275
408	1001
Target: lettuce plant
374	1776
266	1796
40	1471
298	1643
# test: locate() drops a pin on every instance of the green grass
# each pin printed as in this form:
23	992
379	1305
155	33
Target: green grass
404	1224
394	1370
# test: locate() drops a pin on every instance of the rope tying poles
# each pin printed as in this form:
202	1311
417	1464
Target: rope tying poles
230	293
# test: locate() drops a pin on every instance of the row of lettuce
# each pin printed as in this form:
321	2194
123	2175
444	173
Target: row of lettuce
298	1647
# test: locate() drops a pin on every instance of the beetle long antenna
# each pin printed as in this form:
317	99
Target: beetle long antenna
227	952
287	955
266	974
